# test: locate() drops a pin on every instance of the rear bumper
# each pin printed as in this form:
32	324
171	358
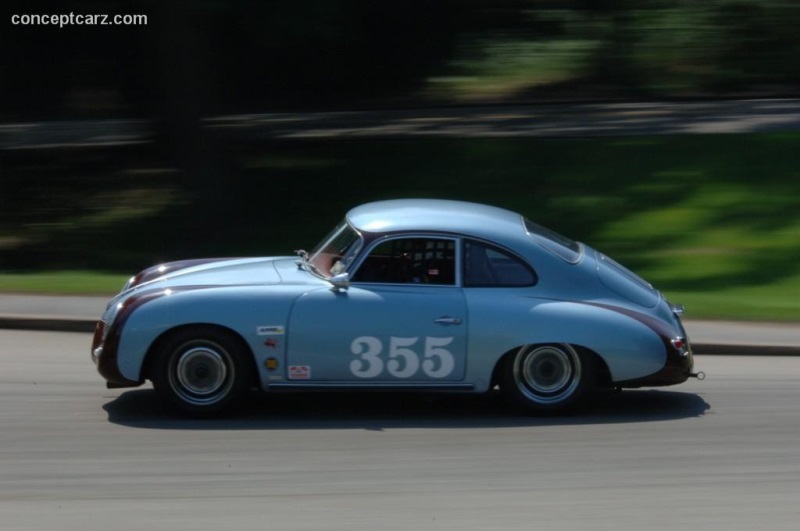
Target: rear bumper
679	361
677	369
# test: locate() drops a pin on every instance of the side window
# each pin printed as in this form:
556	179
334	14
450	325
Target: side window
410	261
487	266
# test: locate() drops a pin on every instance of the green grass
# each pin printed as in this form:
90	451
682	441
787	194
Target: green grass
778	301
711	220
62	283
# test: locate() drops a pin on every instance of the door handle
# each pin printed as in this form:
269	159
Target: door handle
447	321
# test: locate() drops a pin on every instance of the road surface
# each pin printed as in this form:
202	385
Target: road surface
717	454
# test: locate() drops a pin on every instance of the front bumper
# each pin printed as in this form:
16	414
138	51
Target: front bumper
104	356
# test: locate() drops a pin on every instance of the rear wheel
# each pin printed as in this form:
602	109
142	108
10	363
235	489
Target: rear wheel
547	378
201	372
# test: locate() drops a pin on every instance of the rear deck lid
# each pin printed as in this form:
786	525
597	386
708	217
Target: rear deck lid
625	282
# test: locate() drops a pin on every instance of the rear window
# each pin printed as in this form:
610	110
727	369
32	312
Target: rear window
561	246
486	266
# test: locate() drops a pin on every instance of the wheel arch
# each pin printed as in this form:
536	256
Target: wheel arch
603	372
156	345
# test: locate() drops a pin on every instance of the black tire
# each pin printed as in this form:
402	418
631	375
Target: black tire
201	372
547	379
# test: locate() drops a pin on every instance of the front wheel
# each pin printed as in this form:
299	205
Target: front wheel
201	372
547	378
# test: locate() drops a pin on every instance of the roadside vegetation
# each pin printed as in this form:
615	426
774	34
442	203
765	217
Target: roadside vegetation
711	220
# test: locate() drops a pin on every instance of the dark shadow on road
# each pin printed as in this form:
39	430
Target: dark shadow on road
379	411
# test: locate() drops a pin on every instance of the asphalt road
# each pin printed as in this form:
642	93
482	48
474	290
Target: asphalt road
718	454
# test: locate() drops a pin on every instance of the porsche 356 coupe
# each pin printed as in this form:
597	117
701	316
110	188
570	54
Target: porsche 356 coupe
425	295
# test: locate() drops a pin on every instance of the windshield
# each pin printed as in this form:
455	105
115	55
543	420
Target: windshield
336	251
557	244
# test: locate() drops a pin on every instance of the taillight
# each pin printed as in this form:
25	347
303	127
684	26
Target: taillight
680	345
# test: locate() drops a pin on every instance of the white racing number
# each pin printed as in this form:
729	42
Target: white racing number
369	365
403	362
397	349
434	351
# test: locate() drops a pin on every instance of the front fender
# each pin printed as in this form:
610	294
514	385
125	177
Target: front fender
255	314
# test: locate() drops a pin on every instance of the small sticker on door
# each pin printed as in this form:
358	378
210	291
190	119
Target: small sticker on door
270	330
271	363
271	343
299	372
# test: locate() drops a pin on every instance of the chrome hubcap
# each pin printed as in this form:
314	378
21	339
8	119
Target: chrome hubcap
547	374
200	374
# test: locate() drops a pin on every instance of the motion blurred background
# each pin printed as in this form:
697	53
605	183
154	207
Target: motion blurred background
663	132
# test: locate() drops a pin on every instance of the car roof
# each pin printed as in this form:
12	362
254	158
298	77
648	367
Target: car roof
423	215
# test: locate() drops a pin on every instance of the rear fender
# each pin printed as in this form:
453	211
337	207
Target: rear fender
629	347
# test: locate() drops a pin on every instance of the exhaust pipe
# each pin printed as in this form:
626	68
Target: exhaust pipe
699	375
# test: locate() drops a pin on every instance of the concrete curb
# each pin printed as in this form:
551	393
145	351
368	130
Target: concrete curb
744	350
62	324
46	324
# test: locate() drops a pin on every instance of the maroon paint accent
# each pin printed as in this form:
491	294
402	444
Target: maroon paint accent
676	368
97	340
673	372
107	364
154	272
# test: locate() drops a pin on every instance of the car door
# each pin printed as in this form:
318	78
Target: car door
402	319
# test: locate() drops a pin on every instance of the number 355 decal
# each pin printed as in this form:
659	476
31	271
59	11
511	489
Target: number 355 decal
403	362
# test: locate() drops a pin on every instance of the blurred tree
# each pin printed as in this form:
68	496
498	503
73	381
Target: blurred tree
209	57
322	54
612	23
761	46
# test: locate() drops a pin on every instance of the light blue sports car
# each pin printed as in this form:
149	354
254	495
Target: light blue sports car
423	295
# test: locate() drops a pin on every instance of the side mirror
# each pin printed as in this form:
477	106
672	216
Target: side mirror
340	282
